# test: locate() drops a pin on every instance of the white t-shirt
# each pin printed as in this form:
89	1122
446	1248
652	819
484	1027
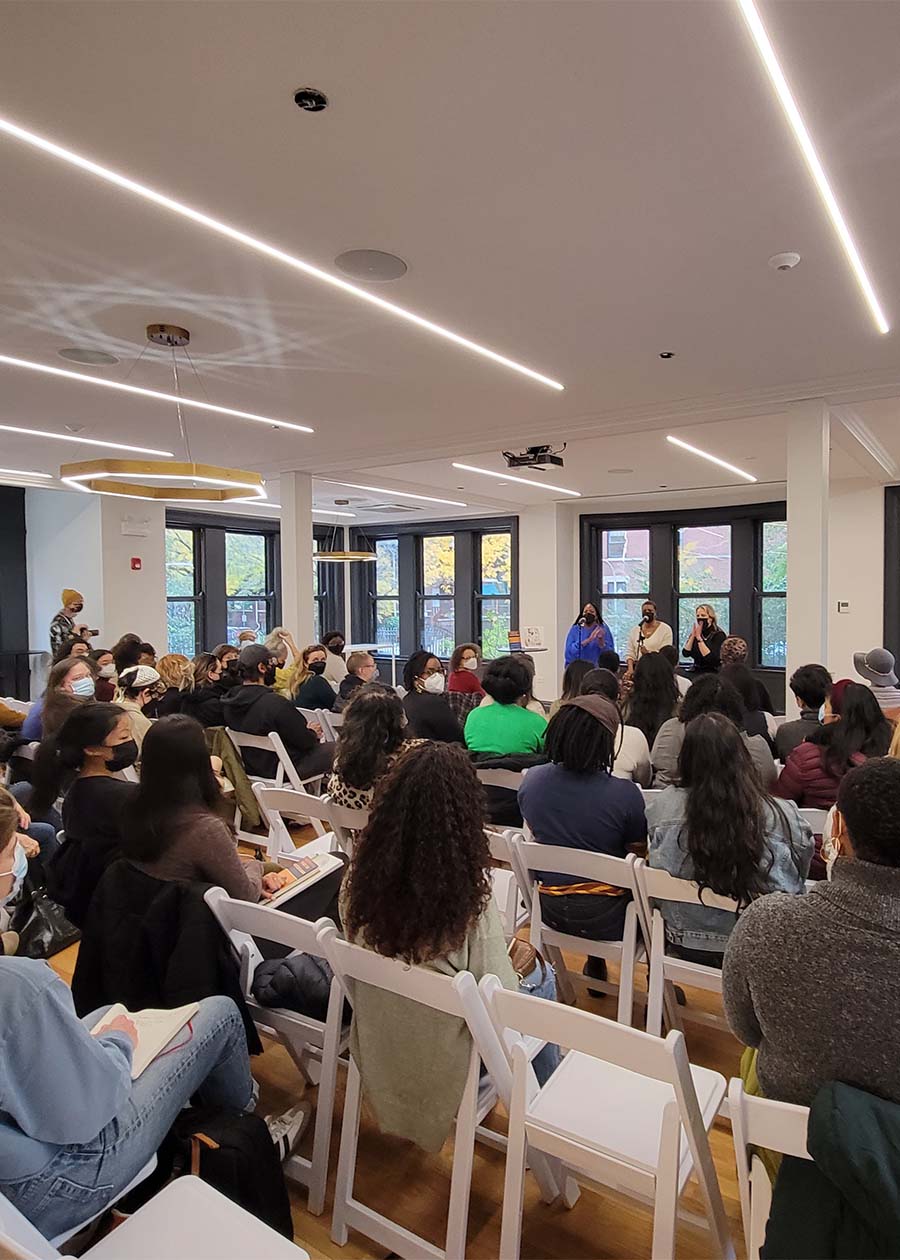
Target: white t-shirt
661	637
633	758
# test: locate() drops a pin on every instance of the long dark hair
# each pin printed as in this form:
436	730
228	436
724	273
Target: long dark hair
127	652
58	704
176	774
61	756
573	677
653	697
862	728
419	877
726	811
372	730
711	694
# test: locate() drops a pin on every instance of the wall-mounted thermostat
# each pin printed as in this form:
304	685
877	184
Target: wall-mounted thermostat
843	605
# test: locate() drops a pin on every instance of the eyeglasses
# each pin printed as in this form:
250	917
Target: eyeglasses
427	672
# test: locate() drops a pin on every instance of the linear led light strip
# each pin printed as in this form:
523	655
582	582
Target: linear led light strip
22	472
328	512
713	459
86	378
808	149
262	247
68	437
525	481
396	494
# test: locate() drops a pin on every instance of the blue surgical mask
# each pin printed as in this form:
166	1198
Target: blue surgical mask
821	712
18	872
83	687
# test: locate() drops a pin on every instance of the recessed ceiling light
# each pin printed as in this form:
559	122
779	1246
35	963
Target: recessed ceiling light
525	481
68	437
263	247
371	265
808	149
618	472
667	354
21	472
178	399
99	358
310	99
713	459
399	494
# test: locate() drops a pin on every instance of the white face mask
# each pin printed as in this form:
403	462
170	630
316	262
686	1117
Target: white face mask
434	683
471	663
108	671
18	872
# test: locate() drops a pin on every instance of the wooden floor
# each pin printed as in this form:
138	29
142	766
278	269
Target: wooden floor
413	1187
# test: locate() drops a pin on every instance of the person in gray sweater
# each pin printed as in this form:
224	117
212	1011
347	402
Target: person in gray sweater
709	694
813	982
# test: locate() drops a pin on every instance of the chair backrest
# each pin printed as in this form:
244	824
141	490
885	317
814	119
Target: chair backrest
27	752
346	824
419	984
816	819
500	843
510	779
242	921
19	706
528	858
271	743
309	715
19	1238
278	803
330	723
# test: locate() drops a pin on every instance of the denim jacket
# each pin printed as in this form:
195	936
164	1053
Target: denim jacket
695	927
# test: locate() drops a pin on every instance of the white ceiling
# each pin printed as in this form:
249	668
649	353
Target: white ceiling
579	185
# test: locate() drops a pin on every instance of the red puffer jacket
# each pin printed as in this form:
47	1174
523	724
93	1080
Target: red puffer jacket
806	779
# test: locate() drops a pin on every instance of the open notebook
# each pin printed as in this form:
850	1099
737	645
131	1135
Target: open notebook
305	871
155	1030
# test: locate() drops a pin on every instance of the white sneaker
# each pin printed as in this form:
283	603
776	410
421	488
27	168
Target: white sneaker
288	1128
9	943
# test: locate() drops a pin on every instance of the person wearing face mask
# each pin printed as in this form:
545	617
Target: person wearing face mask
69	683
589	636
463	665
649	635
704	643
105	682
361	669
63	625
335	665
256	710
203	688
427	707
309	687
80	762
138	688
172	669
13	864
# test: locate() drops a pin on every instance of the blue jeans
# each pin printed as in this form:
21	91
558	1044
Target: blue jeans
43	832
546	1061
80	1181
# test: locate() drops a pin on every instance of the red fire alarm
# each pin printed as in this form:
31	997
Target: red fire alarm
135	563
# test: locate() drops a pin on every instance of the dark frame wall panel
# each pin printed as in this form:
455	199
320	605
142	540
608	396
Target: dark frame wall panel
892	569
14	655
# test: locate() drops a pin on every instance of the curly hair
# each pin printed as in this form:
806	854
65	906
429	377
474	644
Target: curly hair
654	696
419	879
869	799
372	731
172	668
459	652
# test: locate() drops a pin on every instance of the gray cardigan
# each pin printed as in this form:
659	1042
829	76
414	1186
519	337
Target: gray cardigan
814	983
667	746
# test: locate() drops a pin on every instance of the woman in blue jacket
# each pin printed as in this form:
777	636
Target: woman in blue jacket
589	636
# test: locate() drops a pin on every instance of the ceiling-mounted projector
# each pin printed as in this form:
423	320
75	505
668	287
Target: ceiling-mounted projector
535	457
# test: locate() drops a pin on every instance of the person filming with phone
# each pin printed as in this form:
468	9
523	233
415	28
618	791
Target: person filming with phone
63	625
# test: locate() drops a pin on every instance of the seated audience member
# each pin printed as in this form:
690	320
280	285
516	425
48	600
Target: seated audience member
174	826
877	667
373	735
670	654
631	755
531	703
854	728
707	695
13	864
139	687
609	659
811	685
419	889
755	720
172	670
361	669
127	652
577	803
463	663
841	1024
71	647
281	642
147	655
722	830
734	651
653	698
572	678
226	654
506	727
93	744
257	710
246	637
73	1117
310	689
34	839
704	643
425	703
335	665
203	689
69	683
63	625
105	682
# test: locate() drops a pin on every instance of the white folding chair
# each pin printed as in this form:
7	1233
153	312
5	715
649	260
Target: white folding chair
761	1122
352	964
653	886
310	716
509	779
310	1042
347	824
330	723
507	894
623	1110
816	818
278	803
285	770
529	859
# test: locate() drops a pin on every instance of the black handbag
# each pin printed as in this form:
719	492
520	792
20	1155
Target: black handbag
44	929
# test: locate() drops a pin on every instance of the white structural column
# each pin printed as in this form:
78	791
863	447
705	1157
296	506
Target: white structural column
547	586
808	462
296	555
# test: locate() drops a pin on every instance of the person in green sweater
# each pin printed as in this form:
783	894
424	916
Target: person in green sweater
506	727
419	889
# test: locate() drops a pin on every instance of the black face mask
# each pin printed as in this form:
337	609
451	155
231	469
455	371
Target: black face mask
269	676
649	615
123	756
703	623
589	618
336	648
317	667
78	608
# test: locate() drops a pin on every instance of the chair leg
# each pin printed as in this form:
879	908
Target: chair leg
463	1158
318	1173
514	1180
625	1010
665	1210
343	1190
564	987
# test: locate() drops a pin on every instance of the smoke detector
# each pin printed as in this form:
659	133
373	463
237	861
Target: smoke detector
784	262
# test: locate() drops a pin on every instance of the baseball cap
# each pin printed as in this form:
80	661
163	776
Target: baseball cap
251	657
877	666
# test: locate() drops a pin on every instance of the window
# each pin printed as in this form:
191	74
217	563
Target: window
494	614
248	598
773	597
703	574
437	603
386	600
182	603
625	580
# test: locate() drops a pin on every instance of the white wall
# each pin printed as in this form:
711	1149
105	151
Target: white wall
133	600
546	589
856	572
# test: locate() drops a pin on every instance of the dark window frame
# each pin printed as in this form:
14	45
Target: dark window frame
197	599
421	595
891	630
330	580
